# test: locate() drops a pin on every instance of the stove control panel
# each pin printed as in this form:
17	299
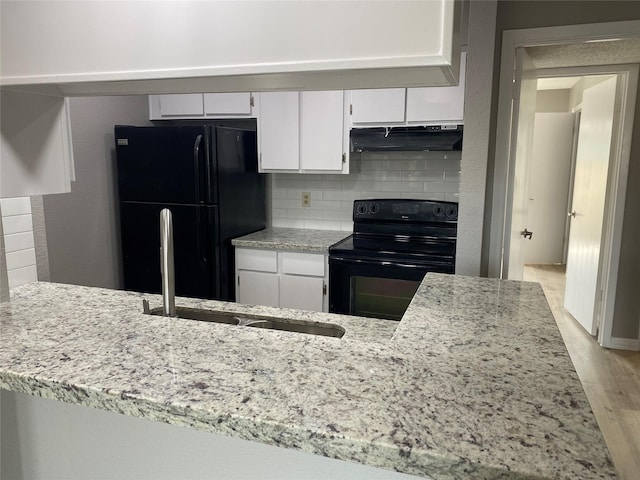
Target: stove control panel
405	210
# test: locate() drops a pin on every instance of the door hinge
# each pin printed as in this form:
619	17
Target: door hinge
238	280
344	158
251	101
324	289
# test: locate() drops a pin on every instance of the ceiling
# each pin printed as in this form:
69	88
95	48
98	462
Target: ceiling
581	54
590	53
557	83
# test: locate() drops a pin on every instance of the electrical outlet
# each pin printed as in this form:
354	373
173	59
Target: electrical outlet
306	199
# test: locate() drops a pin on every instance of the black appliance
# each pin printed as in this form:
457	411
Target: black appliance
434	138
376	271
208	177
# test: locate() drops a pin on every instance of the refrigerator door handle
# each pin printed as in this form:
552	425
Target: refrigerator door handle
196	160
209	195
202	240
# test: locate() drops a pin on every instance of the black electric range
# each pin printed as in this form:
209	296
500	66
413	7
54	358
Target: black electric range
376	271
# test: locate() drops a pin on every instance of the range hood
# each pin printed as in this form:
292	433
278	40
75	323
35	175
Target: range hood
435	138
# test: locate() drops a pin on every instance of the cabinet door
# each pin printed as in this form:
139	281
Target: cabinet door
227	104
437	104
278	131
257	288
304	293
322	130
384	105
36	154
188	104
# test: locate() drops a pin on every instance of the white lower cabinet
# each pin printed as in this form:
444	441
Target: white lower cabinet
282	279
258	288
304	293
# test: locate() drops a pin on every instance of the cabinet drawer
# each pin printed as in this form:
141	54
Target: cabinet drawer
303	264
260	260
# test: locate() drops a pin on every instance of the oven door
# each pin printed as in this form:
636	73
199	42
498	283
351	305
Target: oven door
372	288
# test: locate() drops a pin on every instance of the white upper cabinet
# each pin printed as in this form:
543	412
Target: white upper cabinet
36	155
278	131
323	145
198	105
409	106
380	105
158	47
438	104
228	104
303	132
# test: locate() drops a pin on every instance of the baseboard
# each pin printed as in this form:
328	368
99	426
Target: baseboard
625	343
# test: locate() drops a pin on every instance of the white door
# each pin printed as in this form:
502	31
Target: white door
549	187
589	193
522	120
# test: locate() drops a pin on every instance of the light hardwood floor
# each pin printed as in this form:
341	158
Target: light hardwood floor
611	378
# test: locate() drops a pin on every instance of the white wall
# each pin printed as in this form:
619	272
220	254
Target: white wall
553	100
18	240
82	227
421	175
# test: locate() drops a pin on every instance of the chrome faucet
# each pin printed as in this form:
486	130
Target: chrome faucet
166	264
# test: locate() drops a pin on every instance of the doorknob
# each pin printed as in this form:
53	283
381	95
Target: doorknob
572	214
526	234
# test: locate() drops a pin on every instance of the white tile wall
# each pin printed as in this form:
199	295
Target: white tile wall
422	175
18	240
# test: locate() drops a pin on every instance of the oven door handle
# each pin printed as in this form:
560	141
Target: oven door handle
378	263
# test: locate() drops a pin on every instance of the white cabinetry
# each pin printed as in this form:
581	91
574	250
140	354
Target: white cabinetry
282	279
409	106
201	105
303	132
437	104
36	155
380	105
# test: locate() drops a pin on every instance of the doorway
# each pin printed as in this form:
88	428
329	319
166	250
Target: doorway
506	255
567	183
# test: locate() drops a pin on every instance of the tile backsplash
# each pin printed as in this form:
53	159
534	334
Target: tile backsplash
18	240
422	175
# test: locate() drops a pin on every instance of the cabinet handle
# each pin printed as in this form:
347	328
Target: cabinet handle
238	280
251	101
344	158
324	289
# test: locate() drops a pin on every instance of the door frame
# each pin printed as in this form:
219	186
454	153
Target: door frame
617	183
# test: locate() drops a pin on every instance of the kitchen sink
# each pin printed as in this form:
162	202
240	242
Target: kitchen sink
312	328
298	326
201	315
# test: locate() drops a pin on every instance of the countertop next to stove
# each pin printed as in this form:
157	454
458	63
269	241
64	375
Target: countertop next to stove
302	240
474	383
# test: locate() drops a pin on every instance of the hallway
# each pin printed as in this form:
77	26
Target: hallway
610	378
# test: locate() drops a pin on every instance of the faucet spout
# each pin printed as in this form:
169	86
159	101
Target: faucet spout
167	265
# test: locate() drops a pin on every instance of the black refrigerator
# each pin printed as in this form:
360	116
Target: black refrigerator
208	177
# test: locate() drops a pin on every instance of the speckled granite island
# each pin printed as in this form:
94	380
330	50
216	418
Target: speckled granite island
474	382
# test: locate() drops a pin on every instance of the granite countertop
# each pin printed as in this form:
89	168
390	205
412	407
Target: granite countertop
291	239
474	382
